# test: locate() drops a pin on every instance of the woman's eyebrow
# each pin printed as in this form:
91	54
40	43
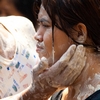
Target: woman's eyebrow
43	20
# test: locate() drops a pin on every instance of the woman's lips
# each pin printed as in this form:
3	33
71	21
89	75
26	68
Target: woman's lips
39	48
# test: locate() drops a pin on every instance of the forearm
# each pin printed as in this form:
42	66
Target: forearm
32	93
37	93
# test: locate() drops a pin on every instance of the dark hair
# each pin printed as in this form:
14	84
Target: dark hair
71	12
26	8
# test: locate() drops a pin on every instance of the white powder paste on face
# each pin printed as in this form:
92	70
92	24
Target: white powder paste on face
53	57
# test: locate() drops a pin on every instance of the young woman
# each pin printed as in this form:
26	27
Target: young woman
61	24
68	22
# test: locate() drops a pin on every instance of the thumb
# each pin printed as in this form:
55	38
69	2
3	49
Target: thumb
43	64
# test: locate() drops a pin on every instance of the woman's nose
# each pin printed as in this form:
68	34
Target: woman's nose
38	37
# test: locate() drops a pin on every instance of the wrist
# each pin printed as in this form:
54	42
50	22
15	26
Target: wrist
36	92
42	92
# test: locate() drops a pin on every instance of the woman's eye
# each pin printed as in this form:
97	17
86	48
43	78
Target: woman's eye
45	25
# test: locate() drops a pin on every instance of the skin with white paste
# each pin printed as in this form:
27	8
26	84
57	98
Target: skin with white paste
88	82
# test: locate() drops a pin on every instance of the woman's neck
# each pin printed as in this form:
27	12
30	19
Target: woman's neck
89	80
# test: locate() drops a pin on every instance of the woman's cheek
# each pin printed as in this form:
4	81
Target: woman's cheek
48	41
61	47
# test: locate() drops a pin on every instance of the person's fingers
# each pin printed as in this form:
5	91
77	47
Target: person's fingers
80	66
74	67
76	59
65	70
54	71
62	63
79	53
58	66
76	72
71	65
43	64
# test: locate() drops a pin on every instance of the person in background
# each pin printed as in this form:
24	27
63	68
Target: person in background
17	54
18	8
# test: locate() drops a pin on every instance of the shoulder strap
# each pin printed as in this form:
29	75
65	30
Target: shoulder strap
57	95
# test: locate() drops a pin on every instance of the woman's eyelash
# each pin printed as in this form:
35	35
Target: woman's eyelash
41	23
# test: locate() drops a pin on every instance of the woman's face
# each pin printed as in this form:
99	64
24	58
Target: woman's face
44	38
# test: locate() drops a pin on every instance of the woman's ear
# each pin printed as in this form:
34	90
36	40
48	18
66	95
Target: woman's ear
82	33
